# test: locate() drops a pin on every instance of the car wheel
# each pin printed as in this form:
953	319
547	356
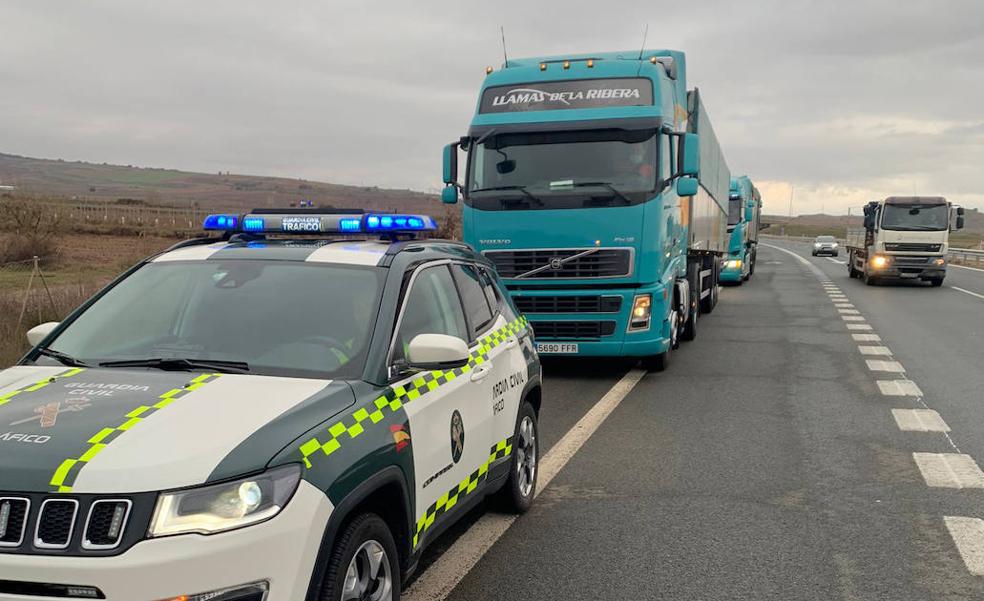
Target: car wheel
516	496
363	563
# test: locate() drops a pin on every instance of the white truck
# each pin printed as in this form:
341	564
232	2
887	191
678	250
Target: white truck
904	237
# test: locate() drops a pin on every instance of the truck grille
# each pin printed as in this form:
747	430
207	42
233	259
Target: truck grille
913	247
903	260
572	329
566	263
13	520
568	304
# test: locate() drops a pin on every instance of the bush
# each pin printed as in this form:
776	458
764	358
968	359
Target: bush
32	226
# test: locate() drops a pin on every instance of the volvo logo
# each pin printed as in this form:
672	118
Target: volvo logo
556	263
457	436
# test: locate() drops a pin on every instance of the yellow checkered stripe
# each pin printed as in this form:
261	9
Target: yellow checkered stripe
394	398
66	474
465	487
8	396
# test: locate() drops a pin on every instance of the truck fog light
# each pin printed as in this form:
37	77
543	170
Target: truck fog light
879	261
256	591
642	306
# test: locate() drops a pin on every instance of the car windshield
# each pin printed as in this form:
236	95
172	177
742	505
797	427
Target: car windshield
826	239
915	217
278	317
563	169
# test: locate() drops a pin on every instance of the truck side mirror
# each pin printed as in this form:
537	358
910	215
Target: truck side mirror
689	153
686	186
449	195
451	163
869	222
960	222
960	210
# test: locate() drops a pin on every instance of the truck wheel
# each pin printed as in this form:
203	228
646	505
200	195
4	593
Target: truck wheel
363	563
661	361
516	496
870	280
690	326
936	282
851	271
751	263
708	302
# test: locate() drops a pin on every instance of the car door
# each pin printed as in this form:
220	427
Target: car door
448	422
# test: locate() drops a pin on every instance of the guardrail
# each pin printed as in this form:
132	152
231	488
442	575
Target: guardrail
966	255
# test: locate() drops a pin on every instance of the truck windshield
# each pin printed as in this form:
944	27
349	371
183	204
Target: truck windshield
913	217
268	317
563	169
734	210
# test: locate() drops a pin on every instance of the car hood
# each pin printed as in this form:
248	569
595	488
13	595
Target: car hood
133	430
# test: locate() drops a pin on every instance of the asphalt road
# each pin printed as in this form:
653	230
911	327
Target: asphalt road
767	462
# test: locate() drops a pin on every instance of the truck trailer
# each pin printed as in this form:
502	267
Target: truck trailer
744	213
904	237
597	186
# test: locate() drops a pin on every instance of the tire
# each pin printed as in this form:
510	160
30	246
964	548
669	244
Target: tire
516	495
751	264
936	282
361	541
813	253
707	304
690	326
661	361
869	279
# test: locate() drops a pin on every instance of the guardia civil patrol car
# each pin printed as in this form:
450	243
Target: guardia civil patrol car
261	416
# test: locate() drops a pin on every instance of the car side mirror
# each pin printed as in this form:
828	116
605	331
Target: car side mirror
689	153
38	333
437	351
686	186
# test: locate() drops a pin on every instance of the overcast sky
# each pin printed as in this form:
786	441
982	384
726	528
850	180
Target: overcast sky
841	101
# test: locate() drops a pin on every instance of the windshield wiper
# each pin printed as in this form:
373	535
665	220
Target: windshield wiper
521	189
62	357
182	364
608	185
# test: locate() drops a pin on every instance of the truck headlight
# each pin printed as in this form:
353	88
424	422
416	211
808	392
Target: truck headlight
642	307
940	261
733	264
879	261
221	507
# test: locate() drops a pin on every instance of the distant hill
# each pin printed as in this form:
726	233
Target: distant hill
46	177
836	225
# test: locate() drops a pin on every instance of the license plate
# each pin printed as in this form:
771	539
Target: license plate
909	275
549	348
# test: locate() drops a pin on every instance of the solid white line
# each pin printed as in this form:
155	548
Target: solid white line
965	267
919	420
968	536
445	574
892	366
833	260
866	337
858	326
899	388
980	296
949	470
874	350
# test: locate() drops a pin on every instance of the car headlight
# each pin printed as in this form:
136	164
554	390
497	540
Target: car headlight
816	244
834	245
221	507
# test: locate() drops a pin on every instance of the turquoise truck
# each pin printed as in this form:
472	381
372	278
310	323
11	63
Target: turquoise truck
596	185
744	213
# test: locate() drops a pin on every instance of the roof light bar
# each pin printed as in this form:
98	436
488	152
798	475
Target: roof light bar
320	223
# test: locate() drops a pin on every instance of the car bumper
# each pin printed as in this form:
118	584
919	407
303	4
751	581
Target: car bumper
904	273
281	552
620	342
826	251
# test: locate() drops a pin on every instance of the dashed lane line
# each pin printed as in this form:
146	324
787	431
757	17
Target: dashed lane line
858	326
919	420
852	318
968	536
440	578
844	305
980	296
949	470
899	388
848	311
874	350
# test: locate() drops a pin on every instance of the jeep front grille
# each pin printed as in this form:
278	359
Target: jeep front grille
13	520
562	263
56	522
105	524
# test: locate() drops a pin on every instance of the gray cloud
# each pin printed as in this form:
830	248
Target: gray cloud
843	100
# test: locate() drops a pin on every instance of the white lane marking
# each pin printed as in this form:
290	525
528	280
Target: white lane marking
874	350
968	536
852	318
844	305
899	388
866	337
838	297
980	296
848	311
833	260
858	326
949	470
891	366
919	420
965	267
445	574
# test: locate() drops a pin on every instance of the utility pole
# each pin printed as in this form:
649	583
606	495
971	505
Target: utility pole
791	189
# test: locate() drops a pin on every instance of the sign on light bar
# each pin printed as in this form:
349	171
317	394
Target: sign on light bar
320	223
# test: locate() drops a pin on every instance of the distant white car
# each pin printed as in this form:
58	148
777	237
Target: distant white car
825	245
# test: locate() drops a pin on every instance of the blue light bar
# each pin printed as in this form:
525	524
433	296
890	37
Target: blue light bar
320	223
